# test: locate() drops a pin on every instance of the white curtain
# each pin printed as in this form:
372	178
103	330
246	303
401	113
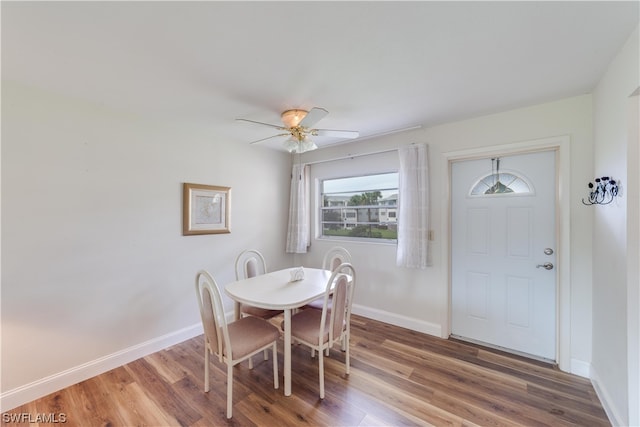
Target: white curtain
413	207
298	227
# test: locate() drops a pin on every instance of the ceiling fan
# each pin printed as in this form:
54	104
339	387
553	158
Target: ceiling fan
298	126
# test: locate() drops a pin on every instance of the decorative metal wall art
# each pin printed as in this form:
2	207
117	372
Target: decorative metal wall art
602	192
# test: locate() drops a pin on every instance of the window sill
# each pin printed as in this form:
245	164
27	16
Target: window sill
359	240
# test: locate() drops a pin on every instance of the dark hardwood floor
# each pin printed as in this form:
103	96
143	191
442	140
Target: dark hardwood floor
398	377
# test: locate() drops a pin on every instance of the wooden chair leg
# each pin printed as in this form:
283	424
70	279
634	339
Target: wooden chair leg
206	369
276	383
251	362
321	373
229	390
347	361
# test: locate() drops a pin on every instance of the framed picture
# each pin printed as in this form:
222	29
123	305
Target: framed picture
205	209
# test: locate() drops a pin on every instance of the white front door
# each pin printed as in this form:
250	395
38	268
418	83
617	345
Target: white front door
501	292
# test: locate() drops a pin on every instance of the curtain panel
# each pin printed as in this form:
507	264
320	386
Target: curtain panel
298	227
413	207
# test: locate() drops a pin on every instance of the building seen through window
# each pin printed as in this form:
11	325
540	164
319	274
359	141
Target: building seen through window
360	207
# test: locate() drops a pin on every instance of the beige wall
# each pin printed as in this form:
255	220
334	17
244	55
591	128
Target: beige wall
95	270
614	333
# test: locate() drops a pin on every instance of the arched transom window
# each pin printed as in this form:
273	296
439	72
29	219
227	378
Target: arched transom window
501	183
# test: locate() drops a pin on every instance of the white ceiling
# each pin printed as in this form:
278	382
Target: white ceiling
376	66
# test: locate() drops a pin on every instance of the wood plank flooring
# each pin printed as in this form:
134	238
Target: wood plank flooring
398	378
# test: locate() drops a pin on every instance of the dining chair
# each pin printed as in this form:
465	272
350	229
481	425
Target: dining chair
332	259
251	263
321	329
233	342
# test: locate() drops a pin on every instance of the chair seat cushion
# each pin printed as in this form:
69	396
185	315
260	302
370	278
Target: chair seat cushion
250	334
259	312
305	326
318	304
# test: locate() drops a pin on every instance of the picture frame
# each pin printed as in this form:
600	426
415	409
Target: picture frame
205	209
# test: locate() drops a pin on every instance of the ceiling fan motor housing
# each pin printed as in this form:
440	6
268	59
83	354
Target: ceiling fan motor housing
291	118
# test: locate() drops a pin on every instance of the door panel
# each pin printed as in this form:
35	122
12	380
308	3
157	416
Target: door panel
498	295
478	295
519	233
477	235
518	301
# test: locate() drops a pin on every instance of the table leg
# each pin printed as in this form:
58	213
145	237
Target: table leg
287	352
236	312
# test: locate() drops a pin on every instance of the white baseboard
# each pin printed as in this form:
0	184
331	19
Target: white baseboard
580	368
398	320
612	413
42	387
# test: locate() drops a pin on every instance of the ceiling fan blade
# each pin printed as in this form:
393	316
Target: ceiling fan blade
269	137
262	123
347	134
313	116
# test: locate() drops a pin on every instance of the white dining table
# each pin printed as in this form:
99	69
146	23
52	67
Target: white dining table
276	291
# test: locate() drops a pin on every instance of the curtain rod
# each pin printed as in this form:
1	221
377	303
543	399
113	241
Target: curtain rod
351	156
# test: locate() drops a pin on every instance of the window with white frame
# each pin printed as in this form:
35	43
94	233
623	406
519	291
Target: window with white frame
360	207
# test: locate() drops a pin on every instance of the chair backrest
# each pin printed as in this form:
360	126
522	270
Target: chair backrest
214	322
339	288
250	263
334	257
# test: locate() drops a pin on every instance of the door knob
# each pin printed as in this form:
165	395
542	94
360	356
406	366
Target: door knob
546	266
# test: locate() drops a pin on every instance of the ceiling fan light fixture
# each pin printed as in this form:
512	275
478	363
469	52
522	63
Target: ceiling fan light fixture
307	145
291	118
291	145
294	145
